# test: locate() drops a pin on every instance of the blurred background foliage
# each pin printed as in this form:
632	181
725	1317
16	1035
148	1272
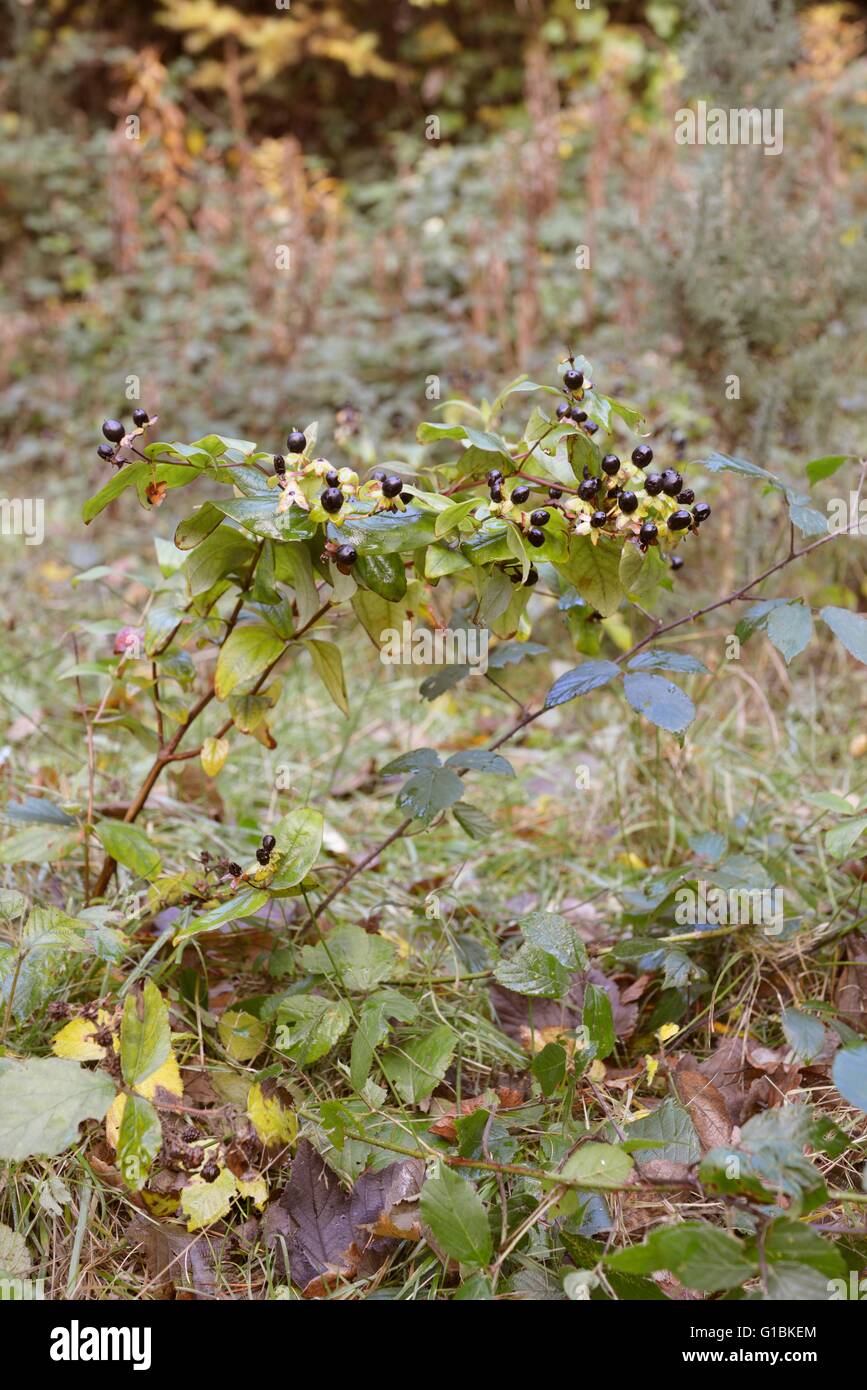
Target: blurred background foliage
155	160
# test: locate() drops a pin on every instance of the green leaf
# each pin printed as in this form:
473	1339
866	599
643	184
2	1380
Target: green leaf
432	430
723	463
299	840
244	904
840	839
535	972
673	1131
417	1069
359	960
790	627
656	660
480	760
848	628
793	1242
663	703
595	572
43	1100
473	820
550	932
384	574
244	658
139	1141
818	469
549	1067
129	846
850	1074
314	1026
145	1036
788	1283
598	1018
599	1165
194	529
451	517
457	1218
698	1254
429	791
383	533
590	675
125	477
259	515
328	664
413	761
804	1034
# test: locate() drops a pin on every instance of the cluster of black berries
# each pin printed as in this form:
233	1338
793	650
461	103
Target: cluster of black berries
263	854
115	432
573	380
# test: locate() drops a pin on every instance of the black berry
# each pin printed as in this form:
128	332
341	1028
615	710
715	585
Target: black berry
263	856
642	456
591	427
520	493
406	497
562	410
279	465
672	482
611	464
588	489
332	478
648	533
573	380
677	562
297	442
210	1172
540	517
679	520
497	493
113	430
535	536
598	519
532	578
628	502
578	415
555	493
331	499
392	487
105	451
140	417
346	555
653	484
687	496
268	842
234	869
494	477
701	511
379	475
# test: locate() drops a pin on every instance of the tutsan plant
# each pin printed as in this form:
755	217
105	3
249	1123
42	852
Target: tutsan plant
493	526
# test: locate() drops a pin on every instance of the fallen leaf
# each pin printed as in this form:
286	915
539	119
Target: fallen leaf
706	1106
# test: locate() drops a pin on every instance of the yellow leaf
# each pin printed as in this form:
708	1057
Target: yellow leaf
165	1078
274	1122
257	1189
652	1067
667	1031
214	753
75	1040
242	1035
204	1202
631	861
